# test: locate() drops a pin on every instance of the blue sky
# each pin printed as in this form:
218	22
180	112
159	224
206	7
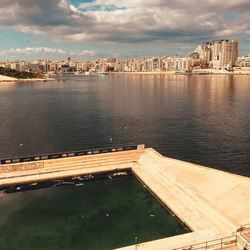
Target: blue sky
56	29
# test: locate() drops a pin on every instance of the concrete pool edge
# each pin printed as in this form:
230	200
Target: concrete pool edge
182	222
212	203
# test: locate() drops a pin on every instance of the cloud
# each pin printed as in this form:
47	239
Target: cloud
36	50
131	21
40	52
86	53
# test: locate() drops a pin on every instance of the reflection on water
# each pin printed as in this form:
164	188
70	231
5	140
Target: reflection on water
202	119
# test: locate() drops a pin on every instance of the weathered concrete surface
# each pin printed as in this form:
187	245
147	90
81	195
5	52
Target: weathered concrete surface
173	242
207	200
65	167
20	167
182	242
212	203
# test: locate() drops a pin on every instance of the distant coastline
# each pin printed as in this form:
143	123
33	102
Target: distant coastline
12	79
181	73
6	79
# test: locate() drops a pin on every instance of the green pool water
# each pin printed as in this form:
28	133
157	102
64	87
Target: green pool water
101	214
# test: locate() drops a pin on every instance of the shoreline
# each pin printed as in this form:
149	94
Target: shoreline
145	73
5	79
9	79
27	80
178	73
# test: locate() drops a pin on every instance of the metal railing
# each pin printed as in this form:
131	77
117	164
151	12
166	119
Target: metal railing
67	154
245	245
244	231
220	243
243	227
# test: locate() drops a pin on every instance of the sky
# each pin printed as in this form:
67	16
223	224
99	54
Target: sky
91	29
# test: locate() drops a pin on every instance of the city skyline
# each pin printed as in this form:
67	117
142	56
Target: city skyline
31	30
217	56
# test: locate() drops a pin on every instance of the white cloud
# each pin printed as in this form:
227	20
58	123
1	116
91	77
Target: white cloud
130	21
29	50
45	52
86	53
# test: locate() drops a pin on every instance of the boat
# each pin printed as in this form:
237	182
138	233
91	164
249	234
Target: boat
102	73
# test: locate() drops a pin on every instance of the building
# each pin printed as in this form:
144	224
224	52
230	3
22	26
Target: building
218	54
228	54
204	53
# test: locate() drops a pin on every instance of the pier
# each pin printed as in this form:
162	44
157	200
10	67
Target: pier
215	205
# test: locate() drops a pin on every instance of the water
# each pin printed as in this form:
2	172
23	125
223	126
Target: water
102	214
201	119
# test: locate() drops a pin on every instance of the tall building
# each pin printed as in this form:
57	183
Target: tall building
218	53
229	54
215	47
204	52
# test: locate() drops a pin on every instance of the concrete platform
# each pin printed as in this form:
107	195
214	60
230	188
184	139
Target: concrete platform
212	203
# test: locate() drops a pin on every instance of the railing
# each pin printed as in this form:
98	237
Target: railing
245	233
68	154
221	243
245	245
243	227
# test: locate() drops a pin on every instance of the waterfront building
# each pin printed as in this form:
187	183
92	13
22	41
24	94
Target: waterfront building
228	54
122	65
135	66
194	55
156	64
243	61
215	48
218	54
117	65
204	53
170	63
148	65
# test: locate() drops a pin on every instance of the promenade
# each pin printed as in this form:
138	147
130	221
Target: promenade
212	203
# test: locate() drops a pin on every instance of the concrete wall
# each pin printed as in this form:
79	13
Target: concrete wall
21	167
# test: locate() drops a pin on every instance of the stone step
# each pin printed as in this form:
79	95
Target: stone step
171	187
212	216
87	165
67	173
92	161
204	206
132	153
173	202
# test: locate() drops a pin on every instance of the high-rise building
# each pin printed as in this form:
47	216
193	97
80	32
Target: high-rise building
218	53
228	54
204	52
215	48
